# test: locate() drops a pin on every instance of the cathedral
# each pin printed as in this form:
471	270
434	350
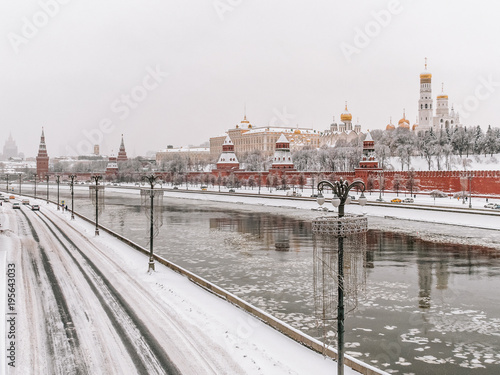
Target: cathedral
443	118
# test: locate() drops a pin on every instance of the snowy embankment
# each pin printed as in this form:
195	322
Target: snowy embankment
200	332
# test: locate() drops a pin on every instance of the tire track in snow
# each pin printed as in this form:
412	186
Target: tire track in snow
72	341
145	351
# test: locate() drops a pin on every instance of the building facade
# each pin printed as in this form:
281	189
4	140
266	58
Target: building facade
10	148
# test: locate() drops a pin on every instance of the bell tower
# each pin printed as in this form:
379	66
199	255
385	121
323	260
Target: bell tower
425	112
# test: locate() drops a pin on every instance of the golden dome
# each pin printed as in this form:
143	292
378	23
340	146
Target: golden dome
426	75
390	127
346	116
246	122
414	127
296	131
404	123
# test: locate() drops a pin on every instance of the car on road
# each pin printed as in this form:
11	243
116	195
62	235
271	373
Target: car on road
408	200
489	205
232	191
12	197
203	187
176	188
16	205
396	200
496	207
26	201
35	207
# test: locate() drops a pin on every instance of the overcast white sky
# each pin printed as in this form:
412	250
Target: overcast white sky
282	58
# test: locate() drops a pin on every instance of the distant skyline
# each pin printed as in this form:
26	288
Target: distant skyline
165	72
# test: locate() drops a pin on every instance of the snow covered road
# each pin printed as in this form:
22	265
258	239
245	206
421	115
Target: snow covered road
86	305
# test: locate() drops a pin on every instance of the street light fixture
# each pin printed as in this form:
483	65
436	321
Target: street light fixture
35	184
152	179
20	182
72	184
96	179
7	183
57	180
47	178
340	198
469	176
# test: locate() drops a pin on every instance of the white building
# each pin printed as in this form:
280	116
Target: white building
444	118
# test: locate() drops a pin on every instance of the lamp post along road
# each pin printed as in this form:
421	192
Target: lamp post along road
72	184
20	182
152	179
47	179
7	184
57	180
35	184
340	198
470	190
96	180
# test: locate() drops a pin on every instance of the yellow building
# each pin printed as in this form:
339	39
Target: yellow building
247	138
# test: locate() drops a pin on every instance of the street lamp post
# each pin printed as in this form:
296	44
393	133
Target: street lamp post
7	182
96	179
72	184
152	181
469	176
47	178
260	181
35	184
20	182
341	197
380	186
57	180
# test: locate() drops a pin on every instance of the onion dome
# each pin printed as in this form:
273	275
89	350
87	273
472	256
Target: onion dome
296	131
404	123
390	126
426	75
442	95
346	116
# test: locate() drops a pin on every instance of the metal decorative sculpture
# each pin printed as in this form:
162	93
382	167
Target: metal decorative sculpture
336	238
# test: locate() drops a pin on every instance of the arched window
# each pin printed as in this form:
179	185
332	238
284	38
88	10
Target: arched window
426	106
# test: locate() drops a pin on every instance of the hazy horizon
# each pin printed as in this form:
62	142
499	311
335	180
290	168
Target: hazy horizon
179	73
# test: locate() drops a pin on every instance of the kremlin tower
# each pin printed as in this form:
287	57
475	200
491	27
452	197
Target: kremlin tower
368	161
112	167
122	154
227	159
42	159
282	157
